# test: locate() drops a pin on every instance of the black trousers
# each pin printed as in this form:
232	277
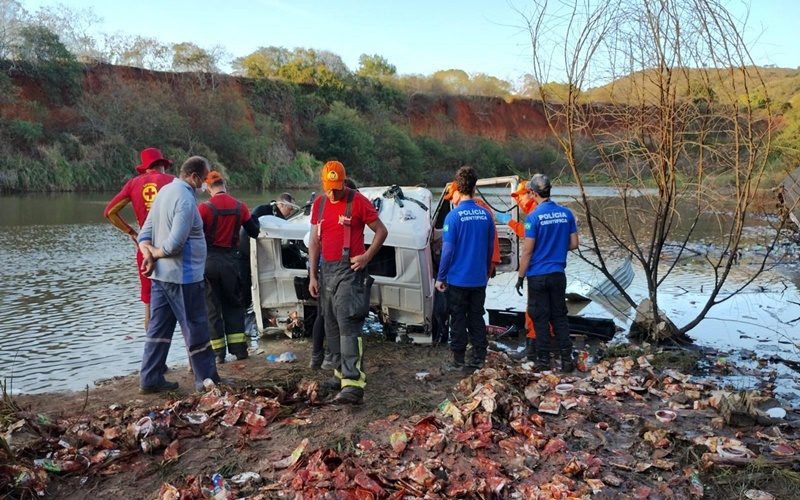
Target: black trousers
547	306
224	302
466	321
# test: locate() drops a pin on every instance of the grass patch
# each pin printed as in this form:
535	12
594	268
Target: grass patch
781	482
622	351
681	360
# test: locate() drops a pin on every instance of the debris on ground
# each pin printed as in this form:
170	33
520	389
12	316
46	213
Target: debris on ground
621	427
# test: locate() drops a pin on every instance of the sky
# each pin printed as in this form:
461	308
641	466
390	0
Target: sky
417	36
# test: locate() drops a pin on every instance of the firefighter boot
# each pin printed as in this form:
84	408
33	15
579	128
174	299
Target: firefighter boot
530	349
542	361
316	360
458	361
567	361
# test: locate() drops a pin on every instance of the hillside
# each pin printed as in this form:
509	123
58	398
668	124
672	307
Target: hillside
67	128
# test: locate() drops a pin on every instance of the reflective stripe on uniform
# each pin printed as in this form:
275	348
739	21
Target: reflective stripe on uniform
158	340
362	377
233	338
218	344
200	349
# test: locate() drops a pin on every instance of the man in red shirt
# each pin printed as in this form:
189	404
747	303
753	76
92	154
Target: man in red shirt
223	216
337	233
140	193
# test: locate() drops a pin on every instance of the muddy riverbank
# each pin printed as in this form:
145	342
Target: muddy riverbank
638	423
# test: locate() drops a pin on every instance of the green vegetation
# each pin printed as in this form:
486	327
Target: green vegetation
70	120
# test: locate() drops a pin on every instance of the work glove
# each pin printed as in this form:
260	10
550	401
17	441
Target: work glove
519	285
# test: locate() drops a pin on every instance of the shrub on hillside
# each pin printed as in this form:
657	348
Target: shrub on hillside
344	135
23	134
396	152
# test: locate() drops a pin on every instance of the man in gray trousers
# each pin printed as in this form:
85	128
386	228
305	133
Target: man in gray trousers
337	233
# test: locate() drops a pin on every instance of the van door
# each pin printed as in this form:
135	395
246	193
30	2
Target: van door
496	192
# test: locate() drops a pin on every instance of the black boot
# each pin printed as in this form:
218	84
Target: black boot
457	363
316	360
567	361
542	361
530	349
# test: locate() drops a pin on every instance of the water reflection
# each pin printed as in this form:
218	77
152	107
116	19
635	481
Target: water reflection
69	295
70	311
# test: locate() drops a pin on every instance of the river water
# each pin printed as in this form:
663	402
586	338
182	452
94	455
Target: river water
70	311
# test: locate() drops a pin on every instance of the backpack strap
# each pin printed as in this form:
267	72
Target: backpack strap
346	223
223	212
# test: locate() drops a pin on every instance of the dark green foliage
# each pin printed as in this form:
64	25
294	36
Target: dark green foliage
42	56
22	134
398	155
344	135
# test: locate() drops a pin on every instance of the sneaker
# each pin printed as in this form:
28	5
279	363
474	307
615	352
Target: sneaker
349	396
164	386
328	365
315	363
240	357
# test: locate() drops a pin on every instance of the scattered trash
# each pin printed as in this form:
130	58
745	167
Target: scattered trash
286	357
758	495
564	389
582	361
293	458
246	478
666	416
507	432
776	412
196	418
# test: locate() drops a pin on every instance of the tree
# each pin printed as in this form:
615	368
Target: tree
488	85
72	26
138	51
263	63
452	81
375	66
189	57
653	133
47	59
344	135
12	19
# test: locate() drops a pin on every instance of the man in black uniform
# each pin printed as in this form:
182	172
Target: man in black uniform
223	216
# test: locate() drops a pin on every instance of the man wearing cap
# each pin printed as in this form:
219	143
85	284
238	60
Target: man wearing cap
550	232
465	266
140	193
174	249
337	234
223	216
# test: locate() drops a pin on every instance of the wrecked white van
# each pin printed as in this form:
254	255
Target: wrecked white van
404	269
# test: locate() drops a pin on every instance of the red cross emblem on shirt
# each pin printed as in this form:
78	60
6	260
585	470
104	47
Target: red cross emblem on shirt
149	192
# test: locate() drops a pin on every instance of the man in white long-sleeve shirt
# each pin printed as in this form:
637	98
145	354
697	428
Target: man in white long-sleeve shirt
174	249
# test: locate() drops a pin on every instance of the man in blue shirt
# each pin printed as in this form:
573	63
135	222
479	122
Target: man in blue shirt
174	249
468	242
550	232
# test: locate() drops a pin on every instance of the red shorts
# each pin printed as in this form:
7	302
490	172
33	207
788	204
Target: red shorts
143	280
